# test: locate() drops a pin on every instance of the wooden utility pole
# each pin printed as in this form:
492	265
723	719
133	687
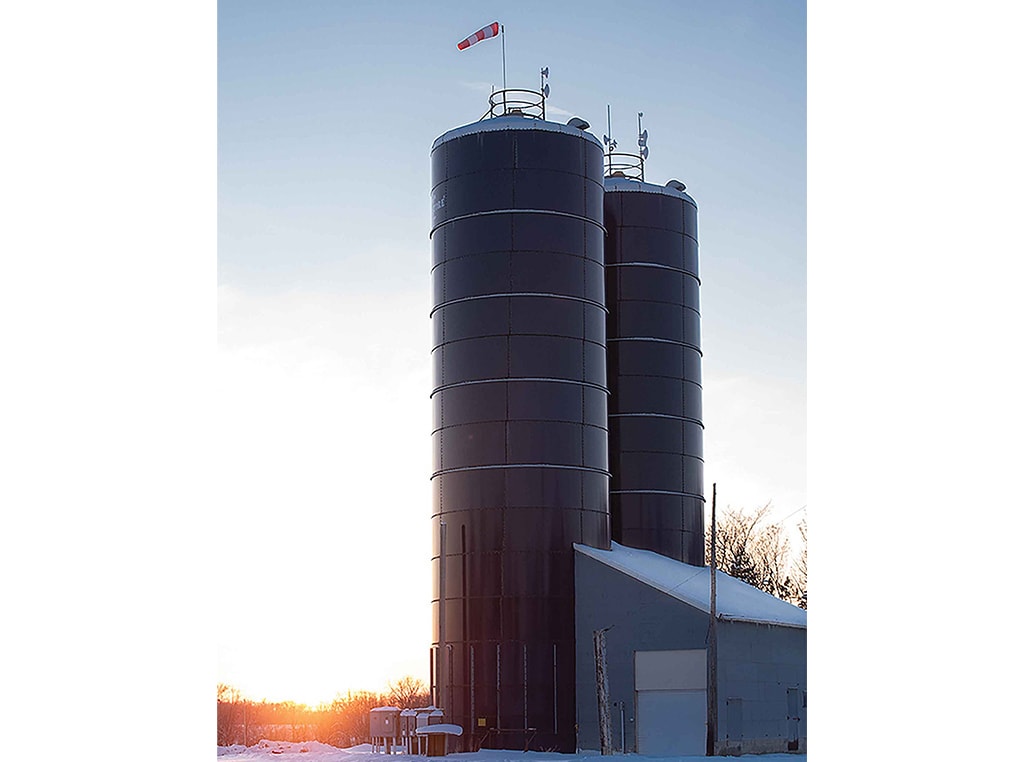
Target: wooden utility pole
713	640
604	717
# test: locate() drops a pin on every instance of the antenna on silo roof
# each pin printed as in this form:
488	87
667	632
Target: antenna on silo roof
545	91
608	138
625	165
641	141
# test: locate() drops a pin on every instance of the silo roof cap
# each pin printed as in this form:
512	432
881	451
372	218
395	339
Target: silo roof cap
501	123
637	186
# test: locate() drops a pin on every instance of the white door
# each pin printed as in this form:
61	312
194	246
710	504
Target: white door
671	702
672	723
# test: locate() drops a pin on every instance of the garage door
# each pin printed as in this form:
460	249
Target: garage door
671	702
672	723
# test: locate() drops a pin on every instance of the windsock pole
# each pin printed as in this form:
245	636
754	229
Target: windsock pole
504	83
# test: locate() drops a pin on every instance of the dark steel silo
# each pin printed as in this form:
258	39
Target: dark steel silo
520	419
656	433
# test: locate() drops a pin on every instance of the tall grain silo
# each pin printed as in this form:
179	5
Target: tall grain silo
520	418
655	423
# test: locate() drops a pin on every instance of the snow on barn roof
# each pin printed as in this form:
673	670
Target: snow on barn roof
737	601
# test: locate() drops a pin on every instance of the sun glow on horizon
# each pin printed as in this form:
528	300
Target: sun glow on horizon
318	675
310	694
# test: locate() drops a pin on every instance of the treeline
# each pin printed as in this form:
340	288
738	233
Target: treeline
759	552
343	722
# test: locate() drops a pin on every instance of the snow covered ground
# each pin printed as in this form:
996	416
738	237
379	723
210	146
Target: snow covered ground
314	751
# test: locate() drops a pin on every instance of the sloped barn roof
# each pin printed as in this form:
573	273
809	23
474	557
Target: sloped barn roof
737	601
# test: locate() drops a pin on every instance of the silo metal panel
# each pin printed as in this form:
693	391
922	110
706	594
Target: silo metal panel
693	542
482	359
520	403
474	318
693	439
546	357
473	402
648	471
655	284
471	490
644	210
546	529
483	575
595	447
595	529
547	272
646	394
472	444
693	401
636	319
550	232
690	219
593	242
522	617
595	364
691	263
554	488
595	324
595	406
482	623
693	475
648	433
557	191
654	370
437	282
477	192
545	315
545	401
593	281
475	235
691	326
456	520
474	275
547	442
643	358
526	574
437	332
477	153
595	499
594	196
659	511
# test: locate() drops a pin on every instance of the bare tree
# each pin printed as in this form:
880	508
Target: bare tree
351	715
737	530
408	692
800	567
771	559
228	712
758	552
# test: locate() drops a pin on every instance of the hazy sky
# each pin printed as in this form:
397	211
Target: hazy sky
326	115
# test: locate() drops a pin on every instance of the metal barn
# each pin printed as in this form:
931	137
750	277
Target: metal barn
655	612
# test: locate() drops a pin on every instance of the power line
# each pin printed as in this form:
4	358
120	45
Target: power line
794	513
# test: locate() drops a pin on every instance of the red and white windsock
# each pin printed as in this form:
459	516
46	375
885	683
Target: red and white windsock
490	30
